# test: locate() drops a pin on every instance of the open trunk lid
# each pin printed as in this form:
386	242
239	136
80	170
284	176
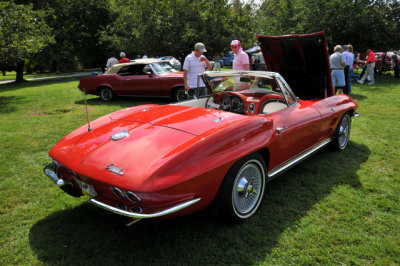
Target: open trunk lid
302	60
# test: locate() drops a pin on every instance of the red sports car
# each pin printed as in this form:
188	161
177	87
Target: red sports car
143	77
154	161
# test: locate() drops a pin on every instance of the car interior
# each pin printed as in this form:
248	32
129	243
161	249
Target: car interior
247	95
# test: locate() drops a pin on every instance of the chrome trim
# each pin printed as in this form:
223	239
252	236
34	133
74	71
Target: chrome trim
117	192
298	158
49	170
142	216
130	194
120	135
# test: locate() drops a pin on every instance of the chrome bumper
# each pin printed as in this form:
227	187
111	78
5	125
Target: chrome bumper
49	170
144	216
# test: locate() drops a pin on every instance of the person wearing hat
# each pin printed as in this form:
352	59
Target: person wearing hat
241	59
195	64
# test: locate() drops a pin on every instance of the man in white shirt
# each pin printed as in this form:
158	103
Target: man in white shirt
195	63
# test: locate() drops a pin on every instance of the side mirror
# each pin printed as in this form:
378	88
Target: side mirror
150	74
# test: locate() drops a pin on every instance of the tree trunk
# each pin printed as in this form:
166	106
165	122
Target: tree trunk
20	70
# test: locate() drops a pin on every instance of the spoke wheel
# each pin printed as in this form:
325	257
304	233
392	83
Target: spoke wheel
342	134
243	189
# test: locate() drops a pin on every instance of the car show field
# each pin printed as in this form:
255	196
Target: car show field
350	197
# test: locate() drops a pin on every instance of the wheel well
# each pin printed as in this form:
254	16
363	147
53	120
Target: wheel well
101	87
264	152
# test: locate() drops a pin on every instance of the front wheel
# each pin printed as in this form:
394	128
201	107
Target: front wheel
106	94
342	133
243	189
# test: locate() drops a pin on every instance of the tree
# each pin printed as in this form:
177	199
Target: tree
172	27
23	32
363	23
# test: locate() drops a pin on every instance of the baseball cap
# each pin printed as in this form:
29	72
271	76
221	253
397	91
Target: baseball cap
235	43
200	46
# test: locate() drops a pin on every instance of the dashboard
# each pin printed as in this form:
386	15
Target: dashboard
246	104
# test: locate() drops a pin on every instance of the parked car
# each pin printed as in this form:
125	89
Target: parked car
142	77
173	61
152	161
228	59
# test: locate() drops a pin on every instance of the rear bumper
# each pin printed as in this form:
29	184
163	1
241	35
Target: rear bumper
134	215
50	171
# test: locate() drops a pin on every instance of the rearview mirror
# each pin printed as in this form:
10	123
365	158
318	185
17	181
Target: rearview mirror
245	79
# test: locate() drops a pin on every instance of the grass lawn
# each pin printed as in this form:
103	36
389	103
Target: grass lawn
334	208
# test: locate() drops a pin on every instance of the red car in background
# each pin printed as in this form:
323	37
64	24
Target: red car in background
143	77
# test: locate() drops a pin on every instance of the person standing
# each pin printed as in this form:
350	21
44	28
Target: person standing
370	68
348	62
111	61
241	59
260	65
337	62
217	64
123	58
350	49
195	64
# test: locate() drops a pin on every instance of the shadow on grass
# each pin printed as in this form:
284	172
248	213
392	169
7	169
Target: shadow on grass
357	97
8	103
34	83
91	236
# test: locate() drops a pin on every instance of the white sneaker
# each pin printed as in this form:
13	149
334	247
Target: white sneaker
359	81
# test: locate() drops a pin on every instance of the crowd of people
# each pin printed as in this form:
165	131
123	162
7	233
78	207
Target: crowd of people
341	63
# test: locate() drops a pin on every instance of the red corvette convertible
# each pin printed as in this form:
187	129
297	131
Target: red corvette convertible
142	77
154	161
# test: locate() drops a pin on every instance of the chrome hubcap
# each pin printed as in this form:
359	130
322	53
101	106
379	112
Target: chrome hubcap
344	132
247	187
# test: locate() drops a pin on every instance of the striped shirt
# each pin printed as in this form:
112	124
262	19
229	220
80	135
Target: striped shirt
194	67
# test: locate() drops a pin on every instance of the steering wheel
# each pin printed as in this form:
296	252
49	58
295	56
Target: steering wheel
227	105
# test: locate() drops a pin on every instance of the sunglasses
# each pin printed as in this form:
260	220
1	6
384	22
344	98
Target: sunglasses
234	47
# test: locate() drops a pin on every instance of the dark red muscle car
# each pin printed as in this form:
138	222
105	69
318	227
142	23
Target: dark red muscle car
153	161
143	77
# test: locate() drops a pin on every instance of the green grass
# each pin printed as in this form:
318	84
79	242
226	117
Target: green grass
334	208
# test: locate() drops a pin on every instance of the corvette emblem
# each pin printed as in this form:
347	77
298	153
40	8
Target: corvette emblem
111	168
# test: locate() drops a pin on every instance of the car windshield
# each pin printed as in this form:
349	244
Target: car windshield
242	82
163	68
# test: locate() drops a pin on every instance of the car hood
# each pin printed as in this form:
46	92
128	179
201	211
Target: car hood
156	135
302	60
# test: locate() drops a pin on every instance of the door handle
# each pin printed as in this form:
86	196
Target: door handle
280	129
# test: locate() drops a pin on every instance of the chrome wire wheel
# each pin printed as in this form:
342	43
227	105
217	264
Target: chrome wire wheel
344	132
248	189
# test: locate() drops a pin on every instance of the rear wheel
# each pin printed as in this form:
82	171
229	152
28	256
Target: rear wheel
342	134
106	94
243	189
